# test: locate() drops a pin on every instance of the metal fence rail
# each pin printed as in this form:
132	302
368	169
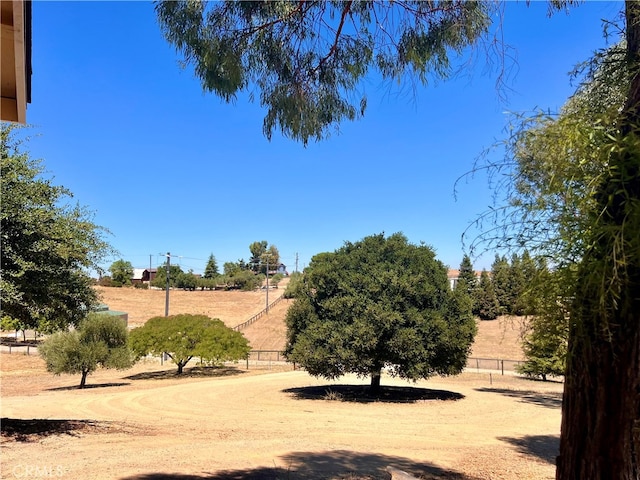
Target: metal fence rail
258	315
497	364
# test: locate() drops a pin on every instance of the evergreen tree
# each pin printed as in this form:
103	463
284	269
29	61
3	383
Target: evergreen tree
485	301
500	282
545	342
467	274
211	270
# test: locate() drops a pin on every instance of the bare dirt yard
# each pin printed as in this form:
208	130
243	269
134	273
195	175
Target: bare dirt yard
146	423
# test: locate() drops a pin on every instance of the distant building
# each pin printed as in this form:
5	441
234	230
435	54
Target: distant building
143	275
454	276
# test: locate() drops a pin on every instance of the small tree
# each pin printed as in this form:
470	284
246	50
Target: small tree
294	287
121	272
100	341
160	280
380	303
183	337
187	281
276	279
545	341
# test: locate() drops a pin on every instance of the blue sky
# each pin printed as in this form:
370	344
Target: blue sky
168	168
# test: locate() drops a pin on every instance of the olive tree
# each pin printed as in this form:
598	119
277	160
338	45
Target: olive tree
100	341
379	304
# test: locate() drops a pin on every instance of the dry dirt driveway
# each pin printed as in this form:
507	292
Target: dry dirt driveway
142	424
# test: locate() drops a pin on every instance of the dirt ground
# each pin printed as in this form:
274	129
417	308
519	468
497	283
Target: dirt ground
274	423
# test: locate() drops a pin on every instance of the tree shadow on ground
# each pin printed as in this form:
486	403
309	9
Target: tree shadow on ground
193	372
543	399
331	465
544	447
88	386
32	430
361	394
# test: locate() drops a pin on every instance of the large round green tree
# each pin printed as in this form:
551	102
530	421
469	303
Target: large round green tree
380	303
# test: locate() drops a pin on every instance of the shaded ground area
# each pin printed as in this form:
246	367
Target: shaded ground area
361	393
31	430
353	465
543	399
544	447
188	372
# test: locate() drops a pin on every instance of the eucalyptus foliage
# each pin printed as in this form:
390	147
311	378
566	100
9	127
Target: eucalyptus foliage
380	303
100	341
184	336
48	244
307	60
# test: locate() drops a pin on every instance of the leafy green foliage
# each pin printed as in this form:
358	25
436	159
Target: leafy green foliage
546	339
187	281
307	59
276	279
121	272
100	341
183	337
380	303
160	280
295	285
47	245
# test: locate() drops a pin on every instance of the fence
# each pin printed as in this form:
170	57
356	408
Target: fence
18	345
492	364
267	359
258	315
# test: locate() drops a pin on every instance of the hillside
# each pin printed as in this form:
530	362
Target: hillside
495	339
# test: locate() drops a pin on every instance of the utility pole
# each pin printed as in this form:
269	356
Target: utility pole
296	262
166	301
266	256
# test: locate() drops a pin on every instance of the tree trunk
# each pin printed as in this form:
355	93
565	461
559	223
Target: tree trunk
180	367
83	380
600	436
374	388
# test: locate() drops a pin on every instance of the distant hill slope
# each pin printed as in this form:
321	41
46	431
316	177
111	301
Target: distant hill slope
496	339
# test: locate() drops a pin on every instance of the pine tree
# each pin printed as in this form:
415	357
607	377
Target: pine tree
211	270
485	302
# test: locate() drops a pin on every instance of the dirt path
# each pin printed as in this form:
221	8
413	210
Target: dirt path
243	425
